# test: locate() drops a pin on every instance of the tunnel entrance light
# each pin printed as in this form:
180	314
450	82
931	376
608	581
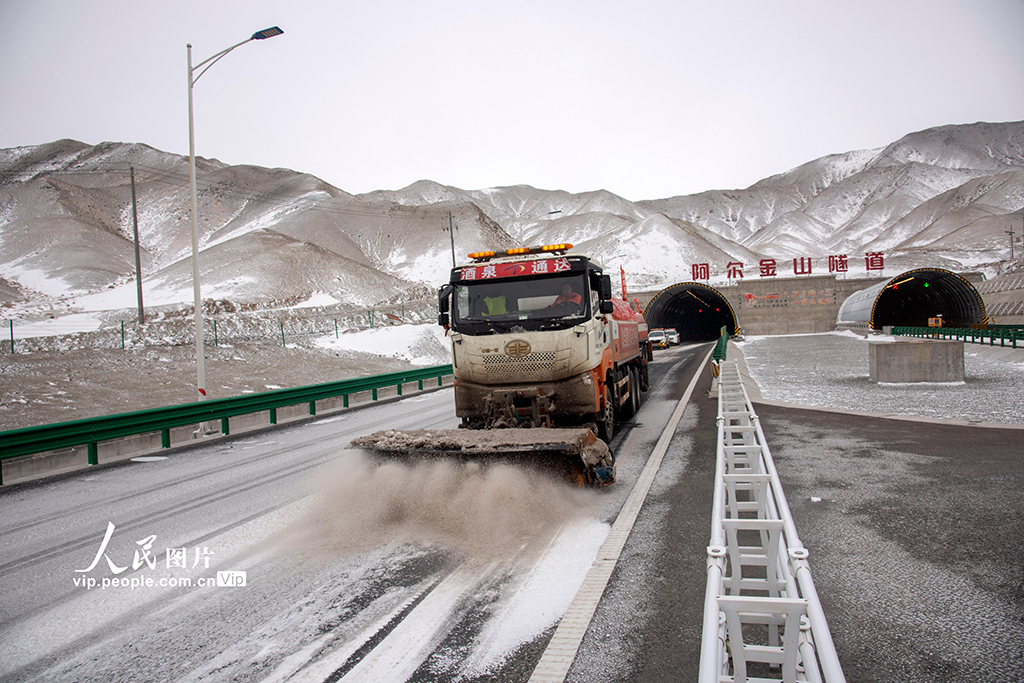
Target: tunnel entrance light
893	285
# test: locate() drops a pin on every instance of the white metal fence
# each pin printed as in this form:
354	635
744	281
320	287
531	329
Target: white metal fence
762	617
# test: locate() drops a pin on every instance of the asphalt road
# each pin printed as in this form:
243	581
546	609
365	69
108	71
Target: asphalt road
915	532
355	569
648	625
916	536
917	541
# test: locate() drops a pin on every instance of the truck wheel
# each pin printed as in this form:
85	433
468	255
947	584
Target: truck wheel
606	418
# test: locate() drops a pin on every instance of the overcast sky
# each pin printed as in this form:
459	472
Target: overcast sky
644	98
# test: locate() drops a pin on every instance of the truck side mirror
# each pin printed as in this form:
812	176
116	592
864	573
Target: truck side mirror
607	307
444	305
606	287
443	298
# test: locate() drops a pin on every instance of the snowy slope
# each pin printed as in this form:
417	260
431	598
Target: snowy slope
920	190
943	197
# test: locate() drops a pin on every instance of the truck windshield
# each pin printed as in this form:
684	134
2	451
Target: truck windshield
495	306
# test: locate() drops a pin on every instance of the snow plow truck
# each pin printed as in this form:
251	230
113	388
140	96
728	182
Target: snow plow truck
546	362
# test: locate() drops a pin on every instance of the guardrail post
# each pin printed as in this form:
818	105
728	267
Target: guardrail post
399	388
165	438
374	394
419	385
273	416
312	407
225	428
93	450
344	401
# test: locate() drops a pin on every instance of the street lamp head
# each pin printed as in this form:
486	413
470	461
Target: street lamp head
267	33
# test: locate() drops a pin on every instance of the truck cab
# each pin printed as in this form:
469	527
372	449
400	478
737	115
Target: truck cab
538	341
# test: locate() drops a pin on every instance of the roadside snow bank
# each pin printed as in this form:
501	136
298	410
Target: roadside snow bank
424	344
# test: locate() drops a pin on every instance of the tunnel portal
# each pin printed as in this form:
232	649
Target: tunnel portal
910	299
697	311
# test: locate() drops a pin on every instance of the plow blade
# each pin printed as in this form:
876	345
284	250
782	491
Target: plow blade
583	457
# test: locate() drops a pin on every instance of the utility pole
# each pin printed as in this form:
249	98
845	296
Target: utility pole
1011	233
138	258
451	234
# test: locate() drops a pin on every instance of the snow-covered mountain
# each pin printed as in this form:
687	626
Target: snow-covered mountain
942	197
268	237
946	193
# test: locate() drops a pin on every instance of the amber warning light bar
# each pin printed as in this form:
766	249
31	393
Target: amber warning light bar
519	251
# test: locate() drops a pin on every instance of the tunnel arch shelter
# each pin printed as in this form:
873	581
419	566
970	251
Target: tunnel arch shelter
911	298
697	311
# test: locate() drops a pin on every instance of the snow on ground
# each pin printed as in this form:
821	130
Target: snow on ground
831	370
318	299
67	324
542	599
423	344
121	297
35	279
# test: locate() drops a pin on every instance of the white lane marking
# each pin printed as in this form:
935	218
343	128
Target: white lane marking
403	650
299	670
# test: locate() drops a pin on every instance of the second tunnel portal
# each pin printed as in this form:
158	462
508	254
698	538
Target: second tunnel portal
911	298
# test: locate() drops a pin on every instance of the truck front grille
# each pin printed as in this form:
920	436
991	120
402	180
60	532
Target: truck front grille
506	366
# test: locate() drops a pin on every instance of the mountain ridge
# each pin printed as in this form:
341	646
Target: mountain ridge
945	195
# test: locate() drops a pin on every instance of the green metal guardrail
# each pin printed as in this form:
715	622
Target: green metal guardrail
1004	334
720	348
92	431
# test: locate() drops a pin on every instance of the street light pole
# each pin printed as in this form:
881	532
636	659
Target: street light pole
200	354
200	360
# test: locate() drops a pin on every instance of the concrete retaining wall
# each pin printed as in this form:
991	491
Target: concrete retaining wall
801	305
916	360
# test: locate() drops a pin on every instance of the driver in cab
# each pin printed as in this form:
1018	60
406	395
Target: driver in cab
567	296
